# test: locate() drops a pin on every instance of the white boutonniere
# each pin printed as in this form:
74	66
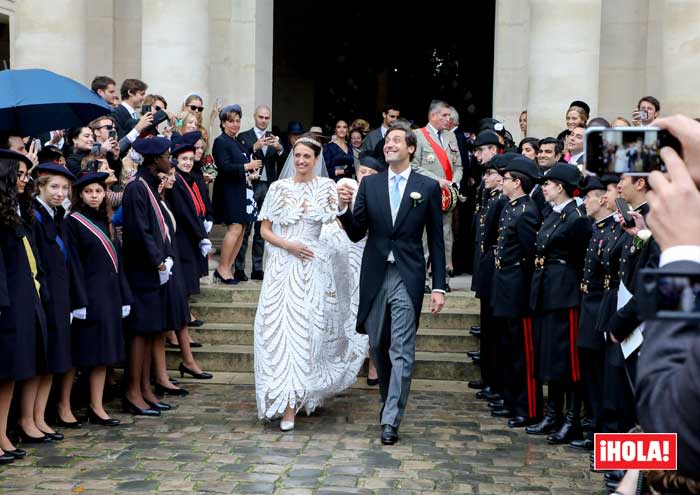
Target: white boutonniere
416	197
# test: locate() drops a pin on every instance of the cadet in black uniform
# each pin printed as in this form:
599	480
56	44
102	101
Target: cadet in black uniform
100	292
591	344
22	319
53	184
515	255
555	299
147	265
491	328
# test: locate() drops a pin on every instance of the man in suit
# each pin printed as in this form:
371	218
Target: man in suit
128	122
437	156
106	88
264	146
389	115
394	208
575	144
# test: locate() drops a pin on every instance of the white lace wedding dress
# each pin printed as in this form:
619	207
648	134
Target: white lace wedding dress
304	350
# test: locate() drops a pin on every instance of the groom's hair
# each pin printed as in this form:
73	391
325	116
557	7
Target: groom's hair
411	140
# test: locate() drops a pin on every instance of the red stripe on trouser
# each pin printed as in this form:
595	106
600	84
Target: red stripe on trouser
531	397
573	336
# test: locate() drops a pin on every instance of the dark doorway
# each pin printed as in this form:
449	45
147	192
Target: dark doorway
337	60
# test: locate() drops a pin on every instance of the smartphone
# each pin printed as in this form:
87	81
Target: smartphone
113	134
626	150
624	209
669	294
145	109
93	166
268	134
642	114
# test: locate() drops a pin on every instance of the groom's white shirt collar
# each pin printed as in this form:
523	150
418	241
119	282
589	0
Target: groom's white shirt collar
403	174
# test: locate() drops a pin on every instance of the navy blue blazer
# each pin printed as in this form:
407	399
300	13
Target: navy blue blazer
372	217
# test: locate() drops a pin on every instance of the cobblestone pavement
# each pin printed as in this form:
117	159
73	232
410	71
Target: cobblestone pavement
213	443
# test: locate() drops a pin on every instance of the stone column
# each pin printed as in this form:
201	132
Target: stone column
175	50
564	61
510	64
680	50
241	64
100	39
623	57
51	35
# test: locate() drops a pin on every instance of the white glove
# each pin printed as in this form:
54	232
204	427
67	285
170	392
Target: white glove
204	247
126	309
79	314
164	275
169	265
208	224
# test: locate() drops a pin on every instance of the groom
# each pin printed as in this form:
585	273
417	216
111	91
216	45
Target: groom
395	207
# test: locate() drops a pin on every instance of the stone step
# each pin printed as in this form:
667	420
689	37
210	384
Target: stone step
210	312
250	292
428	339
239	358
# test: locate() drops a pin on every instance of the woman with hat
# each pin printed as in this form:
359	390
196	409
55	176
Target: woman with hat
555	299
22	318
100	292
53	182
191	244
233	201
147	265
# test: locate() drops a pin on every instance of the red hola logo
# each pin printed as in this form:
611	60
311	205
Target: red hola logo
635	451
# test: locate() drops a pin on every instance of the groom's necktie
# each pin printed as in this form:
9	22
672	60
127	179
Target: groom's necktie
396	194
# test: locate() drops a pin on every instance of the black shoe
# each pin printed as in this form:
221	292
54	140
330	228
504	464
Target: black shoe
174	381
476	359
161	390
218	279
582	444
159	406
194	345
521	421
450	272
96	420
74	425
448	288
54	436
487	393
6	458
587	424
615	476
129	407
544	427
390	435
171	345
475	384
565	434
257	275
372	382
612	485
240	275
17	453
502	413
474	353
496	404
427	290
475	331
199	376
33	440
195	323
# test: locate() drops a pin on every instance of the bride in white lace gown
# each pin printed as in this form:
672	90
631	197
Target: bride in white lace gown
303	352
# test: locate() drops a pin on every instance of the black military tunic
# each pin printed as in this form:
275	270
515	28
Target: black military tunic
515	253
555	296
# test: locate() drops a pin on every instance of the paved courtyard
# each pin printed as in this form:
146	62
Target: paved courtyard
212	442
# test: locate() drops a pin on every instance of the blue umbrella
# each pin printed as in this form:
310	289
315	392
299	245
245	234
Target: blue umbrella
33	101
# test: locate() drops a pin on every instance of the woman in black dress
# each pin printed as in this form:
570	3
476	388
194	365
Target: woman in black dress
338	154
555	299
234	205
53	184
22	319
147	264
100	293
79	142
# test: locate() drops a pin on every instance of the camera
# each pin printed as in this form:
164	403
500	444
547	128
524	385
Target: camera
145	109
626	150
113	134
669	295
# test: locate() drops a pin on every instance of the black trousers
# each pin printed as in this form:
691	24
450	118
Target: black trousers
259	193
522	391
592	372
492	330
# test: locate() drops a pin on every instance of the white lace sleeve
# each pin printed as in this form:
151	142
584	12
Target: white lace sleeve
326	199
280	207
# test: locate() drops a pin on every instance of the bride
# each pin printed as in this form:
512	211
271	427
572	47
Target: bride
303	350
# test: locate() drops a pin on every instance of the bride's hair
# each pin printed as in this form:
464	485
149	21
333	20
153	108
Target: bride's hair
310	141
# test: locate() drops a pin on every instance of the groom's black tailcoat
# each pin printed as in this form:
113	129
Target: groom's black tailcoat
372	216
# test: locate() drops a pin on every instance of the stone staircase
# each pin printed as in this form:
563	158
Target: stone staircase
227	337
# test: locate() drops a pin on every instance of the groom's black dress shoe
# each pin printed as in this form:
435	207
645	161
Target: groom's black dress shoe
390	435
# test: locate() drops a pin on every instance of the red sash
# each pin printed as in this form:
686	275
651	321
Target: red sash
104	240
196	197
156	209
440	153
